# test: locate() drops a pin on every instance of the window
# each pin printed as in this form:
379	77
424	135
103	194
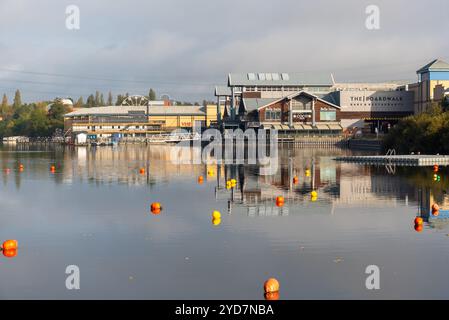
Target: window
262	76
328	115
273	114
268	76
285	76
275	76
251	76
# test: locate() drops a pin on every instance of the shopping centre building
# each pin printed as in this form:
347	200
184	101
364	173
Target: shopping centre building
304	104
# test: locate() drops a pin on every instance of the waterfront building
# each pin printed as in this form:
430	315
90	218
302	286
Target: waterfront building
298	103
137	120
432	85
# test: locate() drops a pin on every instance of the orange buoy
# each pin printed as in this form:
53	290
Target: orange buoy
295	179
418	227
10	253
435	207
419	220
10	244
435	213
271	296
52	169
142	171
280	199
271	285
156	208
200	179
435	168
7	170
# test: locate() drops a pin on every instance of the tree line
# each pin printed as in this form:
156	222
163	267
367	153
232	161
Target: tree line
427	133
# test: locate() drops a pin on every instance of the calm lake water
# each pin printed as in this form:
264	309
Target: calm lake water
94	212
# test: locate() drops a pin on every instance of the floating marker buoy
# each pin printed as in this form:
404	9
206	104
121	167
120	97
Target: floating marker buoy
52	169
210	172
435	213
271	296
156	208
228	185
280	201
419	220
200	179
11	253
216	222
295	180
142	171
10	244
314	194
435	168
435	207
271	285
418	227
216	215
307	173
233	182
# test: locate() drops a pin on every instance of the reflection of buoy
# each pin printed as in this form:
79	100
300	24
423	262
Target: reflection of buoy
271	296
211	172
216	222
295	180
228	185
200	179
7	170
313	199
314	194
142	171
52	169
10	244
436	213
216	215
419	220
10	253
280	201
21	166
156	208
271	285
418	227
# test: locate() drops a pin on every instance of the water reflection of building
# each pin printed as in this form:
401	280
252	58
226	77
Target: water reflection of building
339	185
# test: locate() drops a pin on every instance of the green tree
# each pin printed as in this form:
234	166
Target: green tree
79	103
152	95
119	100
17	100
5	108
97	99
110	98
445	103
90	103
101	100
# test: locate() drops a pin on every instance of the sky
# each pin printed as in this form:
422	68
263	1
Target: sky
184	48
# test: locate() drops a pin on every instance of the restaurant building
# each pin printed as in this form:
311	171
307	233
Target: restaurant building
137	120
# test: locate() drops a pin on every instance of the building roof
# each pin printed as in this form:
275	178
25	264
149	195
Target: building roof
251	104
256	103
222	91
279	79
125	110
435	65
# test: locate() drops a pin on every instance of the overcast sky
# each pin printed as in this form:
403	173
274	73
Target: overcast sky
185	47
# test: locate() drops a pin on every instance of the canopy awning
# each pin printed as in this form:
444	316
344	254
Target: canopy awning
320	126
285	127
335	126
298	127
307	127
277	126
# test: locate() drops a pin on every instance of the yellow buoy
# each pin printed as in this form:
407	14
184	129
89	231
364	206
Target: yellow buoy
228	185
307	173
216	222
216	214
233	182
313	199
314	194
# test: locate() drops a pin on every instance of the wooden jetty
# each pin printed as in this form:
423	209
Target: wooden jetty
399	160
